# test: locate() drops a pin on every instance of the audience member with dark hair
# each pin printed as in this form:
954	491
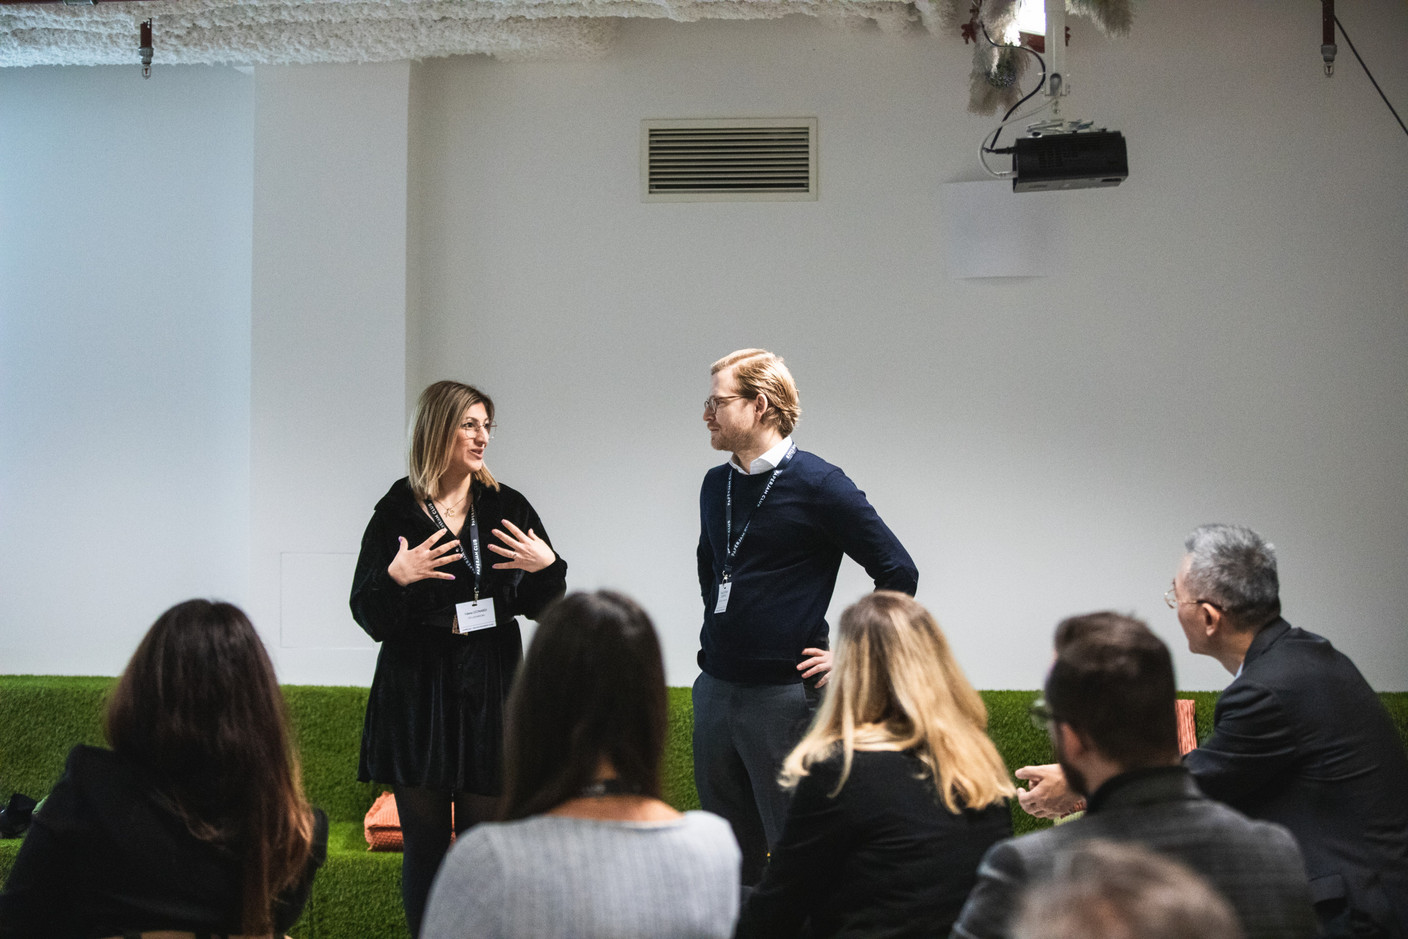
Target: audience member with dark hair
1299	737
195	820
1110	712
587	848
1109	890
425	587
898	790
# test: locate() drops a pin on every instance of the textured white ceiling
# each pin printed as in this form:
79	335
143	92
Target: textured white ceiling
244	32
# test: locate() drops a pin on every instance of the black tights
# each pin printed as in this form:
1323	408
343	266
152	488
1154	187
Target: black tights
425	835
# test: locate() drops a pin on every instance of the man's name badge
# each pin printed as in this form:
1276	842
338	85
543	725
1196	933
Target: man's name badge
474	614
725	589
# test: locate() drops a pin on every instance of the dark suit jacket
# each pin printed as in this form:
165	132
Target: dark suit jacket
1301	739
1254	864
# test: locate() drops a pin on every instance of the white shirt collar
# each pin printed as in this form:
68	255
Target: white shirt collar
768	461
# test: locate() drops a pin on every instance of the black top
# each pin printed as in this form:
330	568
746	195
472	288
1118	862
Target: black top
105	854
884	858
435	711
785	570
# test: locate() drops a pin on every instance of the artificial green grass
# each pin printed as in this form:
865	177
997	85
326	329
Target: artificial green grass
1397	704
1019	742
327	729
358	893
677	767
42	717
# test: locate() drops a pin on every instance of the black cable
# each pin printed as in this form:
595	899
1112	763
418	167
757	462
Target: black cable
1366	72
1039	85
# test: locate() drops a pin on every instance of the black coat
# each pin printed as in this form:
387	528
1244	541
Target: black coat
106	854
1301	739
882	858
435	712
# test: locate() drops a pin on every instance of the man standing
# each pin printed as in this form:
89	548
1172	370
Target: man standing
774	522
1298	737
1110	713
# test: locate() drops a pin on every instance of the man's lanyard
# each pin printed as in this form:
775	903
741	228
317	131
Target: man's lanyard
478	565
730	546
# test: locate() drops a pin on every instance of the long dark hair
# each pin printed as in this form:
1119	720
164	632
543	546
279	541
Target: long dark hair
591	686
199	708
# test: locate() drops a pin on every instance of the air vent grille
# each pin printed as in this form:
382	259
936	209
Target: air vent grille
728	161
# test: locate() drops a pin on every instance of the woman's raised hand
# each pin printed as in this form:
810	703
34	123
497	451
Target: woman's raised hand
525	551
424	561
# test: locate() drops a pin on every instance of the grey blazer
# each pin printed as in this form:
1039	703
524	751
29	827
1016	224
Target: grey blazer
1256	865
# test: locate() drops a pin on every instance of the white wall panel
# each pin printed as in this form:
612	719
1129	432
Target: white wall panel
124	355
328	406
1224	339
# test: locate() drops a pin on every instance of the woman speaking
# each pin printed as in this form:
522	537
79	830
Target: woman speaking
428	589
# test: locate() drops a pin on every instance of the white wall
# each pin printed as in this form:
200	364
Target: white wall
1227	340
124	355
329	349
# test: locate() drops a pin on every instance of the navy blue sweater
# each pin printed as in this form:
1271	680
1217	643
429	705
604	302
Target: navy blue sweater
785	571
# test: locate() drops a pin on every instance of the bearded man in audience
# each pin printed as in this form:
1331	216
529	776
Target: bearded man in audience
1299	737
1109	709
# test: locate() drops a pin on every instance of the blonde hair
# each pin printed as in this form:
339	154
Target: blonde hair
759	372
896	686
439	413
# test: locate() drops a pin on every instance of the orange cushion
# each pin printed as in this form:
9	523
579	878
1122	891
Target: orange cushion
1187	730
382	825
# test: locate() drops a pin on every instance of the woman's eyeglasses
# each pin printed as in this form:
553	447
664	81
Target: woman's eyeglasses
472	428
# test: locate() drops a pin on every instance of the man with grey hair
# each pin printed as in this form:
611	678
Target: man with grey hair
1298	737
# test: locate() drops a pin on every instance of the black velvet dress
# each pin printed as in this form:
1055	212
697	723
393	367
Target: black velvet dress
436	711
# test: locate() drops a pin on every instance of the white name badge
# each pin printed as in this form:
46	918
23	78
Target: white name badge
725	589
474	614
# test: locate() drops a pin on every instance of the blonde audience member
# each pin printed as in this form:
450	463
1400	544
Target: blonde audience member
898	790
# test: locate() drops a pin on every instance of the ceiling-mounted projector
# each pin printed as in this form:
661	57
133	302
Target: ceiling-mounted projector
1056	153
1082	160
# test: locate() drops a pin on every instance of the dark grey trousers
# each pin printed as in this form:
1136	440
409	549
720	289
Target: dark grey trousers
741	735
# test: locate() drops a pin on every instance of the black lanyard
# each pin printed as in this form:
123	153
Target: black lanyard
730	546
478	565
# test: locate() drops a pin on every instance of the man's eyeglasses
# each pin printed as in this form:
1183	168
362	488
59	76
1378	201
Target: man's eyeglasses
1041	715
712	402
472	428
1171	598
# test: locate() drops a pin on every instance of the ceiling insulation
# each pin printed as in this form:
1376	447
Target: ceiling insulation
285	32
